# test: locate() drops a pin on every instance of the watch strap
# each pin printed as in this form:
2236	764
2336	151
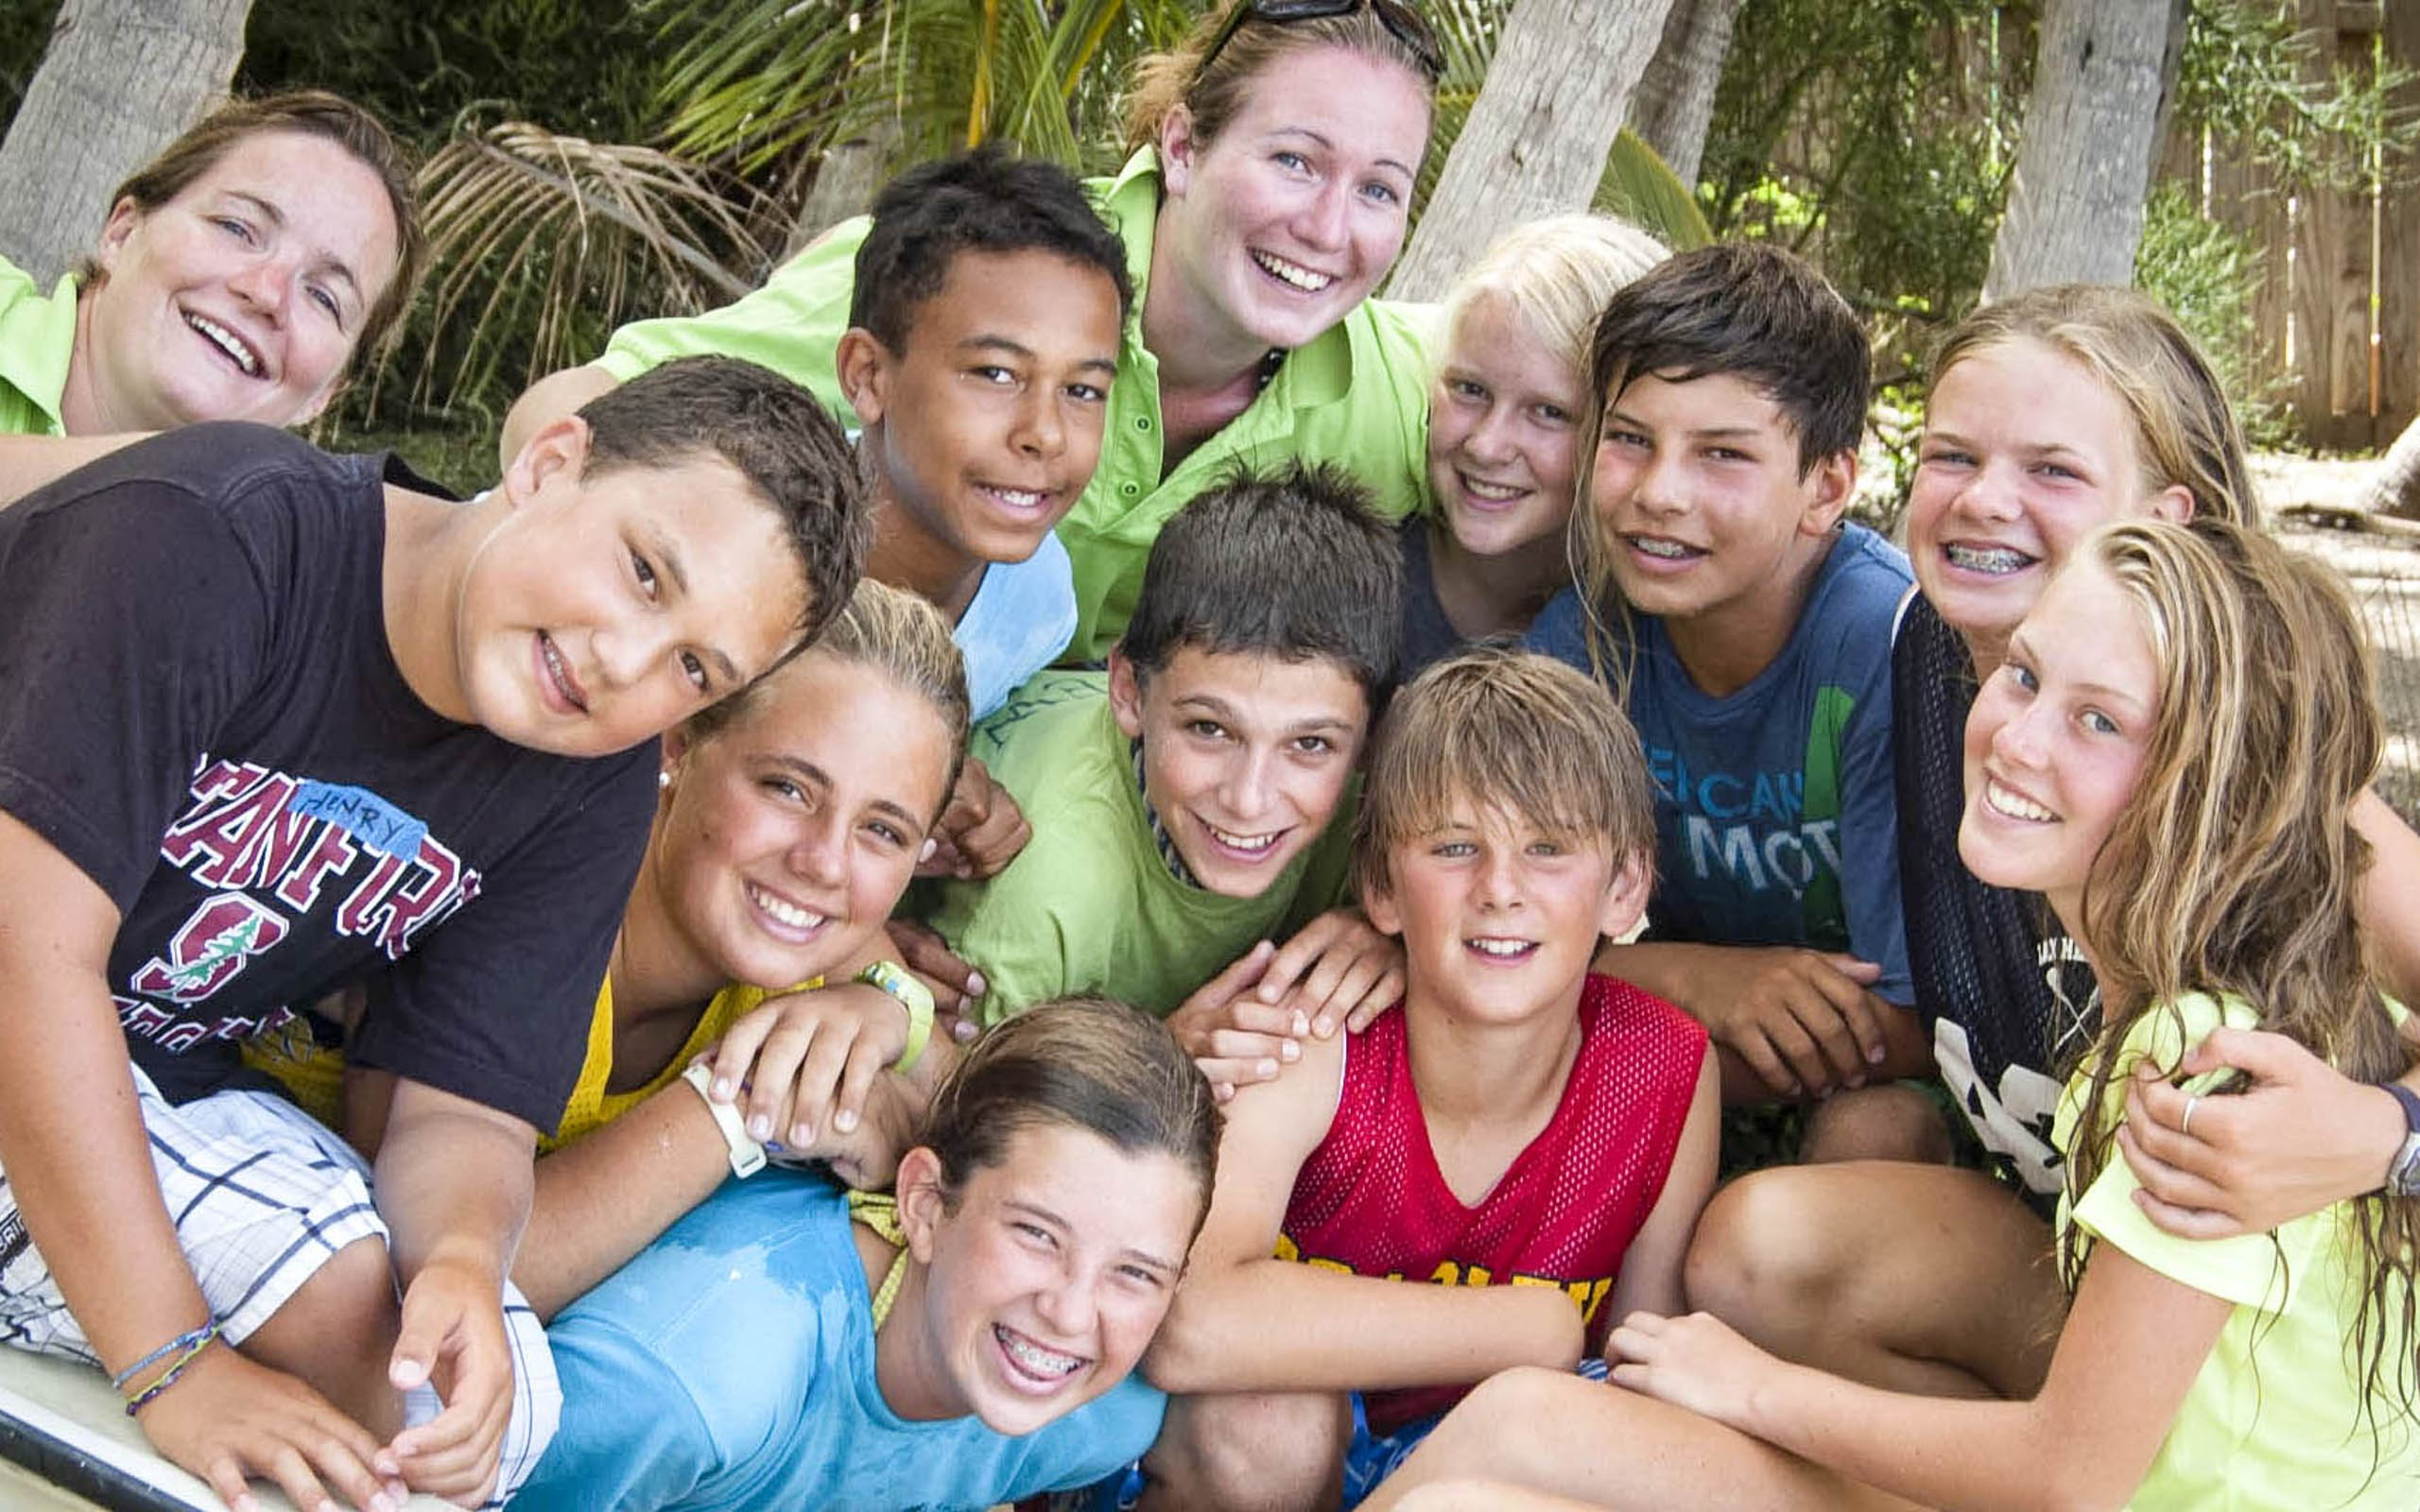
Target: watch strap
747	1155
899	983
2403	1173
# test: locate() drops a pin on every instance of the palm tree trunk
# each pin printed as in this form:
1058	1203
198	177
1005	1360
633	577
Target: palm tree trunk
119	80
1676	100
2075	207
1535	143
2394	488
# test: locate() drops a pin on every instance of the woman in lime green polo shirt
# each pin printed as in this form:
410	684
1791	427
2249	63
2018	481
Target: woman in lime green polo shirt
1267	195
237	274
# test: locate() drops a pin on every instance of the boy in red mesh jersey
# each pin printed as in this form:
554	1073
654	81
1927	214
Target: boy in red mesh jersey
1536	1140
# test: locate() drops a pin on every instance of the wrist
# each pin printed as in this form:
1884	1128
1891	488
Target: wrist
2402	1175
915	999
745	1155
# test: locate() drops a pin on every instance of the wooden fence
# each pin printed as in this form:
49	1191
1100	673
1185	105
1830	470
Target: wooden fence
2335	329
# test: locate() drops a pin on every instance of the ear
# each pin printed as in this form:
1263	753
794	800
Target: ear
1177	149
1832	485
2173	504
558	452
864	370
922	1204
1378	908
124	217
1625	900
1125	693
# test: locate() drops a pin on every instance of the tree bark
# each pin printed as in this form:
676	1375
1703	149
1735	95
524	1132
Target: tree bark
119	80
2075	206
1676	100
1537	136
2394	488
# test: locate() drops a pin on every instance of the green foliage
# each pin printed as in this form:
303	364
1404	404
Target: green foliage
25	31
2206	273
2253	81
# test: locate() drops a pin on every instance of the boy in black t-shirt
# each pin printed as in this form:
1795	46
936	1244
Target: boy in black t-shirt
271	726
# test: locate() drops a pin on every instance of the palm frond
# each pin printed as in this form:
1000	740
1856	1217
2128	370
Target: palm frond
1642	189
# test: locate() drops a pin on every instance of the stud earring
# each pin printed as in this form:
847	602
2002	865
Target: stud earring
664	781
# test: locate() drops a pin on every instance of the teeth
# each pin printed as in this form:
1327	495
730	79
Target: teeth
562	673
229	342
1491	492
1294	273
1669	550
1253	842
2015	804
1996	561
1498	947
790	913
1019	498
1033	1357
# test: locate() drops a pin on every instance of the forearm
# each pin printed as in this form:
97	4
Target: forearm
1955	1454
1664	967
79	1167
1272	1325
600	1200
453	1183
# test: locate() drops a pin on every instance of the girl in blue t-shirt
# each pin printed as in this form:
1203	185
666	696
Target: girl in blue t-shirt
2169	753
784	1344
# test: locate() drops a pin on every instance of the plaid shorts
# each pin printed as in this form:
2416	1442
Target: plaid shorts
262	1197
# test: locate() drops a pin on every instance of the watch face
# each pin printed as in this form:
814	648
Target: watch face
2403	1178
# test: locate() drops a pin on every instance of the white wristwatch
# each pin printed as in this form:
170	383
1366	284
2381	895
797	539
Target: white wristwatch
747	1155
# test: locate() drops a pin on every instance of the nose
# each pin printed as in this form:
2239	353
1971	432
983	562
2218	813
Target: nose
1491	440
1320	224
261	282
1989	494
1498	880
1660	488
1249	783
1040	430
819	853
1066	1304
2021	739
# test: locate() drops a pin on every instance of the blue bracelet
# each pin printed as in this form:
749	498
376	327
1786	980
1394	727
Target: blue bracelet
176	1346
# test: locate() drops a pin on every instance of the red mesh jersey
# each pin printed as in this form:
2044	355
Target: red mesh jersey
1370	1198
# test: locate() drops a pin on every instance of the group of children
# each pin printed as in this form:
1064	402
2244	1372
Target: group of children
1335	930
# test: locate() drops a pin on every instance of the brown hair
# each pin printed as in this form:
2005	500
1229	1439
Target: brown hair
1082	1062
2184	427
307	113
1494	725
1163	81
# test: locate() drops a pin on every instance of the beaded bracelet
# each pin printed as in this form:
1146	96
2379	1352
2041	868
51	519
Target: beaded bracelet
169	1377
182	1342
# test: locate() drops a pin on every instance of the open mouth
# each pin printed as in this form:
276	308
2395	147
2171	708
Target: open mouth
1491	495
1496	948
555	677
1293	275
1033	1365
790	920
1246	848
1663	549
1990	562
1017	501
238	350
2007	802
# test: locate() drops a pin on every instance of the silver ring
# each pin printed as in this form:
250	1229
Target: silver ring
2185	1124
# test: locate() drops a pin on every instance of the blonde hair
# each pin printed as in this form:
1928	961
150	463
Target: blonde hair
888	630
2234	868
2185	430
1555	273
1165	80
1497	727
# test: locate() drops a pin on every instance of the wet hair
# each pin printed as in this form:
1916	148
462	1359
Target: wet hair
1496	727
884	629
774	433
1751	311
1079	1062
1214	95
1555	273
306	112
2234	869
1291	564
2185	431
979	202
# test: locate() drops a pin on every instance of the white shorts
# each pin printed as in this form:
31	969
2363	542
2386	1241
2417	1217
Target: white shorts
263	1195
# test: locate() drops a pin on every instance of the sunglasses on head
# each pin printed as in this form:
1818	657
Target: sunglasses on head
1402	22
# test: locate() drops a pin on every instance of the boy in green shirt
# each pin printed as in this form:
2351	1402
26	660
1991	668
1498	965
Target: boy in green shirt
1182	803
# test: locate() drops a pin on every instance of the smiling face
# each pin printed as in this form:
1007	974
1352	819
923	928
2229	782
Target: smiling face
1503	414
239	299
1043	1280
2024	453
2057	739
787	836
1699	501
990	420
1245	756
1500	914
1279	227
598	612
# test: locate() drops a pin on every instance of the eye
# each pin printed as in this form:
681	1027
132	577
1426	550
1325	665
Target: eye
993	374
888	832
1381	194
236	227
1313	745
645	571
1549	414
1727	454
319	295
1033	1233
2098	723
782	788
2023	677
1469	388
1205	729
2058	472
1545	847
1087	393
1947	456
1624	437
1293	162
1140	1275
1452	849
694	668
